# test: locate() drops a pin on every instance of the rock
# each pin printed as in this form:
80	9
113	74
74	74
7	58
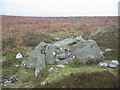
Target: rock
102	64
113	64
102	52
27	86
64	42
50	69
64	51
40	63
37	58
19	55
79	38
42	83
88	50
60	65
47	78
106	50
16	65
65	61
62	56
57	39
50	54
7	82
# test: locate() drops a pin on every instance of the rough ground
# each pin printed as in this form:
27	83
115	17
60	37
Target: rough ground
23	34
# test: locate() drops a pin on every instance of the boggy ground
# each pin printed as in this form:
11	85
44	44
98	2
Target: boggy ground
23	34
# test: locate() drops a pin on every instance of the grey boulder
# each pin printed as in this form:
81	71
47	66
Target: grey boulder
37	58
113	64
50	53
102	64
88	50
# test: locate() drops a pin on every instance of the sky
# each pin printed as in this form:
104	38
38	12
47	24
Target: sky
59	7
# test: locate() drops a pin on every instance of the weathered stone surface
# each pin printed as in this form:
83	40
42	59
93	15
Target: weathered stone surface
64	42
19	55
107	50
40	63
87	50
79	38
60	65
102	64
62	56
113	64
64	51
7	81
37	58
36	53
50	53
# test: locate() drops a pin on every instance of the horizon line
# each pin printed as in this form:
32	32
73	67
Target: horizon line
59	16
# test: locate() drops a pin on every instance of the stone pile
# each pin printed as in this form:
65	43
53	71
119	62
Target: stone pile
63	51
113	64
7	81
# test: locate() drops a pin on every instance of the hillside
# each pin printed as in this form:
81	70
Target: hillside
23	34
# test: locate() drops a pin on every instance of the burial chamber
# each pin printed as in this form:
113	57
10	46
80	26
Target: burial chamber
64	51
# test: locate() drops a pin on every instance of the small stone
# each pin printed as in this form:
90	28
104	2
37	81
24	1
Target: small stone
115	62
60	65
50	69
53	53
16	65
19	55
79	38
42	83
102	52
57	39
108	50
102	64
47	78
27	86
7	82
112	65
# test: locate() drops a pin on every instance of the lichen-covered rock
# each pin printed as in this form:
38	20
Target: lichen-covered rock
79	38
37	58
62	52
102	64
50	53
113	64
36	53
19	56
87	50
63	56
40	63
64	42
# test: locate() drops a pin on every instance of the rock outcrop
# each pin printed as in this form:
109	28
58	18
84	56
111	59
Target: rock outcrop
37	58
64	51
50	53
87	50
